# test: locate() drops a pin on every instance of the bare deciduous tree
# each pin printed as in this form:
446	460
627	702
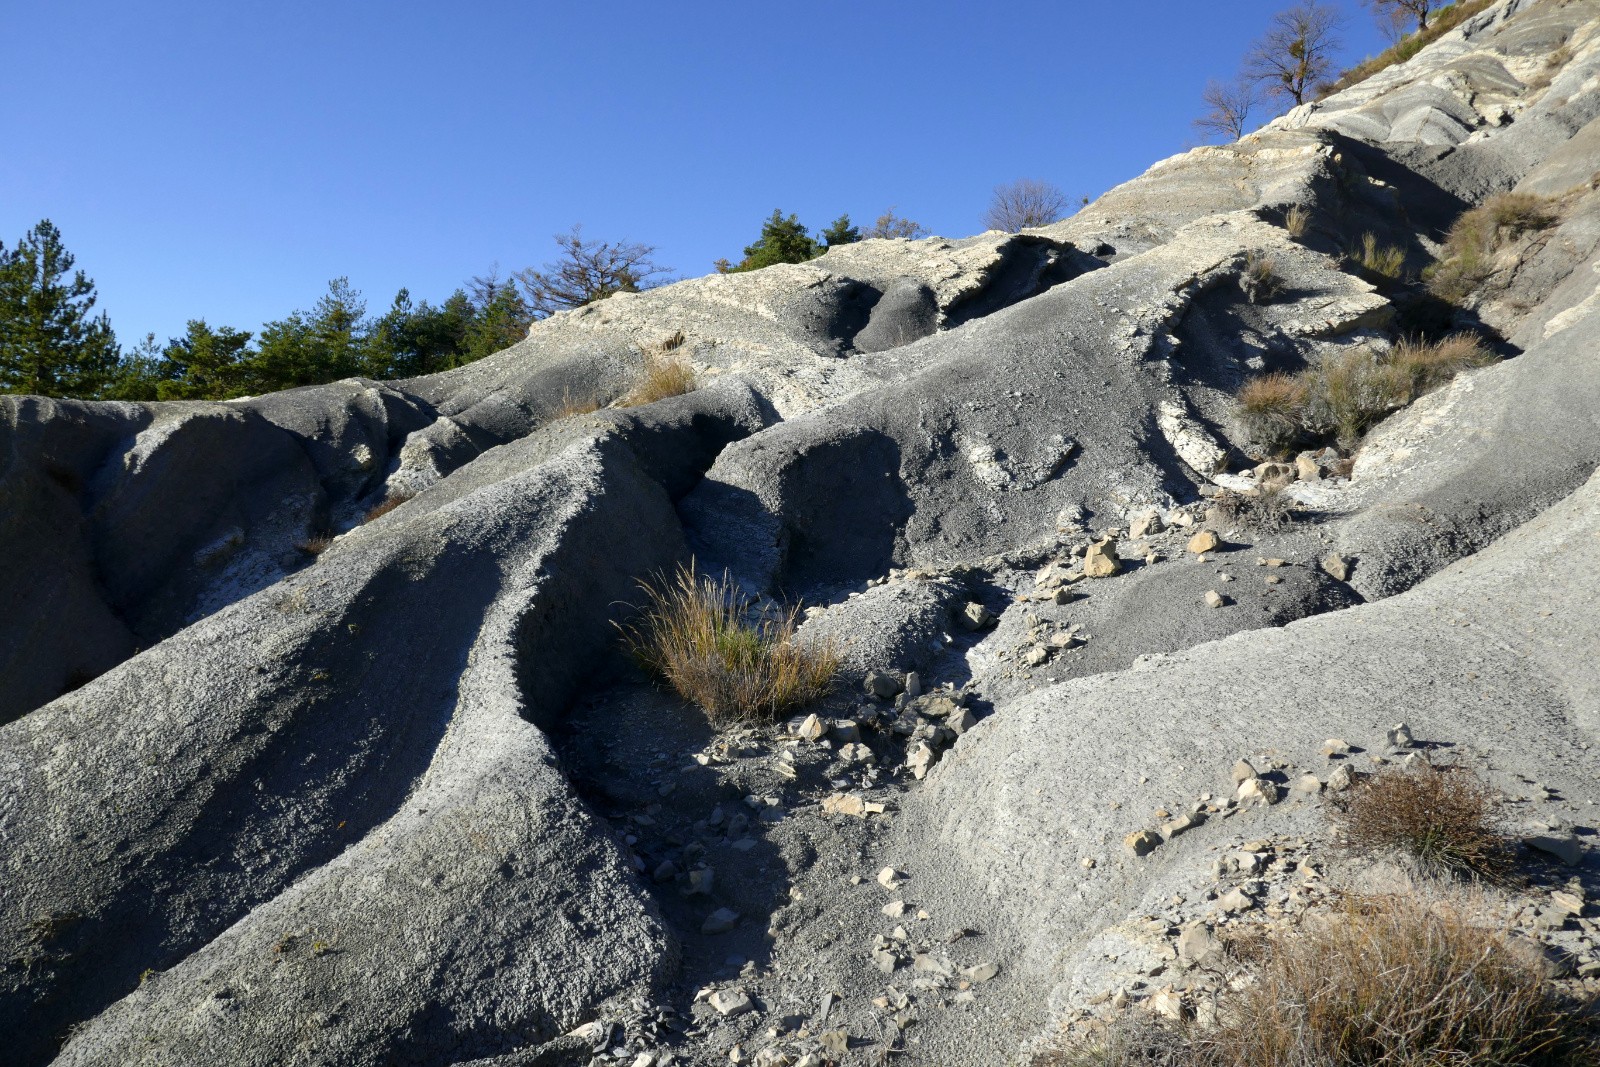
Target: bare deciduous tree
891	225
1230	105
1296	52
1024	203
1392	13
587	271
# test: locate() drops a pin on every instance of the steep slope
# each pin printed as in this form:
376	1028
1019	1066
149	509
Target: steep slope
401	802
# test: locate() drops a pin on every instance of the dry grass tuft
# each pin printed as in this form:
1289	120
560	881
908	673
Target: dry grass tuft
1348	393
1378	260
388	505
1476	236
316	545
665	374
571	405
695	636
1297	220
1442	816
1272	410
1440	23
1383	982
1260	279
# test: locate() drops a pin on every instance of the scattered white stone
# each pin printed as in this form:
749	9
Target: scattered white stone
1259	790
891	879
981	973
895	909
1335	747
1203	542
1141	842
720	921
1400	736
732	1002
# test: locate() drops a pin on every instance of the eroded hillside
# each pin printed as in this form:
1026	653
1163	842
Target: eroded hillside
287	780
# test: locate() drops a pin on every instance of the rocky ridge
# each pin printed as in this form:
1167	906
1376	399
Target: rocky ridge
401	801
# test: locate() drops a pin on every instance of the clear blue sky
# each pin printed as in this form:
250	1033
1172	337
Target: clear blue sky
224	160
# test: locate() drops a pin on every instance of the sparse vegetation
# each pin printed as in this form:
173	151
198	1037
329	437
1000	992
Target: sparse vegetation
1296	220
1443	21
1345	395
1478	234
1229	105
1260	279
316	545
1296	53
1382	982
1378	260
572	405
1024	204
666	373
1266	509
1442	816
696	636
389	503
1272	410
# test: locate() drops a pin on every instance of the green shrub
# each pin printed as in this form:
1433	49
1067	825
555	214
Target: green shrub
1379	260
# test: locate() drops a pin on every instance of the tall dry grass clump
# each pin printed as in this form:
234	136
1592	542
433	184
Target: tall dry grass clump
1382	982
1272	410
1444	817
1467	259
1376	259
696	636
666	372
1345	395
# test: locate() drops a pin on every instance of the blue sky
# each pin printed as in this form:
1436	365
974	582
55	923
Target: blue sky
224	160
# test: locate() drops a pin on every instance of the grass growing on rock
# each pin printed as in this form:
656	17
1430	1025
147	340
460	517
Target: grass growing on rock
1469	248
1344	396
1381	982
1440	23
1444	817
1378	260
666	373
389	504
697	637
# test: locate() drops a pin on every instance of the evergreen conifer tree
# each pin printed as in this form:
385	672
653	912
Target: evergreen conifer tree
51	342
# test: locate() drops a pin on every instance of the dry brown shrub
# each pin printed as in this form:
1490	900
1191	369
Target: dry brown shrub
1382	982
1442	816
1266	509
1272	409
696	636
389	504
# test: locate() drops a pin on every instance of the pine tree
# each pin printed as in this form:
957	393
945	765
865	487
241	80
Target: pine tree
840	232
206	364
783	240
308	349
51	344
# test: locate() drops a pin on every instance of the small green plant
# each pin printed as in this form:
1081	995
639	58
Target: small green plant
1297	220
1378	260
696	636
1444	817
1467	259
